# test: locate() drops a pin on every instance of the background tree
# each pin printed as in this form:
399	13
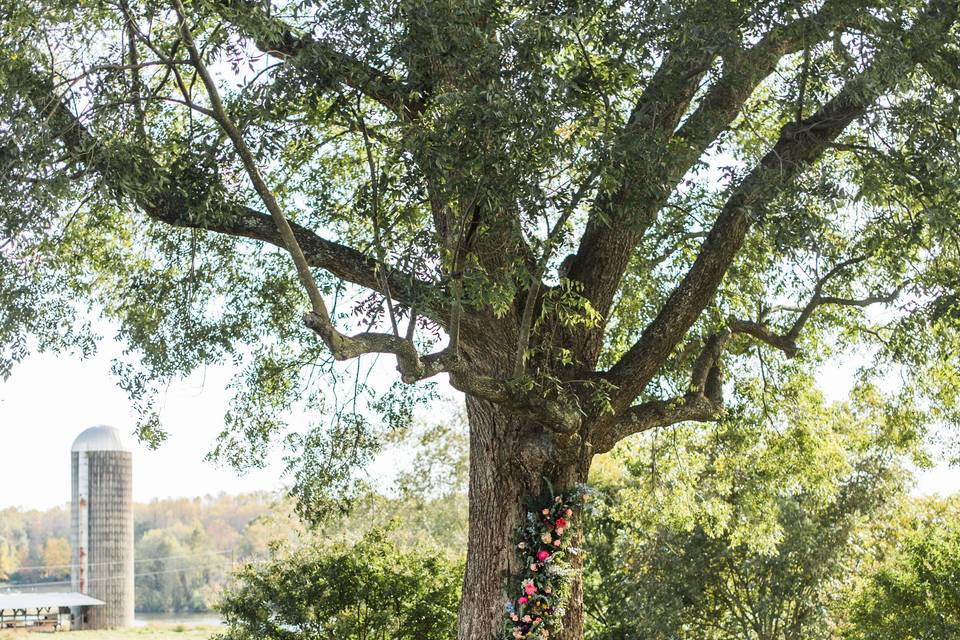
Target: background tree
13	542
33	544
581	213
56	555
914	593
179	570
745	531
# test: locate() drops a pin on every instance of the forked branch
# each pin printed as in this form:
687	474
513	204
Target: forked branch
702	402
411	365
275	38
797	148
787	341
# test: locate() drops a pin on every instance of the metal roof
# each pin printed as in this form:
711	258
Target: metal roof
10	601
100	438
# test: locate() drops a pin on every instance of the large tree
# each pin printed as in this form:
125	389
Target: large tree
579	212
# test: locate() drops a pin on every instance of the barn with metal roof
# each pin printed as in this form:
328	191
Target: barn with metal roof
45	610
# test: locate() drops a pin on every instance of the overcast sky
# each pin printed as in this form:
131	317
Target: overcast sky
50	399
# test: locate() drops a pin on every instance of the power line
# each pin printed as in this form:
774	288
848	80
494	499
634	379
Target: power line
95	564
111	578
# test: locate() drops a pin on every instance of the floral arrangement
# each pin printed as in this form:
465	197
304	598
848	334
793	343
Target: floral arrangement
536	612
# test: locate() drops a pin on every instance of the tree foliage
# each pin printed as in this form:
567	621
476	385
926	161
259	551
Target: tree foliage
915	593
368	590
587	215
456	151
744	531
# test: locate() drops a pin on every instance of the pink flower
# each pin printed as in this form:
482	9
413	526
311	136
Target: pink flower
529	588
556	542
543	555
545	512
537	620
569	512
557	499
522	600
561	523
514	617
526	618
559	531
534	566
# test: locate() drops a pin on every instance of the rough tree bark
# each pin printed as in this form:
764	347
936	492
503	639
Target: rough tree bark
510	462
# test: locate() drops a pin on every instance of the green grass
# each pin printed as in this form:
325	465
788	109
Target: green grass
152	632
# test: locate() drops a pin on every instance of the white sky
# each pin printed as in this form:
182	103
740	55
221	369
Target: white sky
50	399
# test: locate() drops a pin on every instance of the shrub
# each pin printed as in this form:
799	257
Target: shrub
369	590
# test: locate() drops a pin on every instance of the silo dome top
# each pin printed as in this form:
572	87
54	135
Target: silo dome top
101	438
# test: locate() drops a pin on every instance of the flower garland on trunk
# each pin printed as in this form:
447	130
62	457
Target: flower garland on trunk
536	612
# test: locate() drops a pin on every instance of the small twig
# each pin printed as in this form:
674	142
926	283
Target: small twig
526	320
136	84
804	73
787	342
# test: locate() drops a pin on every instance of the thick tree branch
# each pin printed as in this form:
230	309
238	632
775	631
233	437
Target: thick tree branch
615	226
554	414
322	61
343	347
167	204
702	402
743	73
798	146
160	197
290	243
760	331
650	176
409	362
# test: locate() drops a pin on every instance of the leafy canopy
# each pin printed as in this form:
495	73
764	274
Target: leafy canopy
581	212
913	594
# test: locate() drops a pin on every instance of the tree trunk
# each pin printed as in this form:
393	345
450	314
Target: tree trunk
509	460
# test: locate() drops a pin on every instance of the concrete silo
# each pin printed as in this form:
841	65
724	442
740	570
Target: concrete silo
102	527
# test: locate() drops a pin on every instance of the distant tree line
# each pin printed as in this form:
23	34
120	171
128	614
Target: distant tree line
185	547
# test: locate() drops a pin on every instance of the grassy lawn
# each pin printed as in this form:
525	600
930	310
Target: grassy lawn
152	632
